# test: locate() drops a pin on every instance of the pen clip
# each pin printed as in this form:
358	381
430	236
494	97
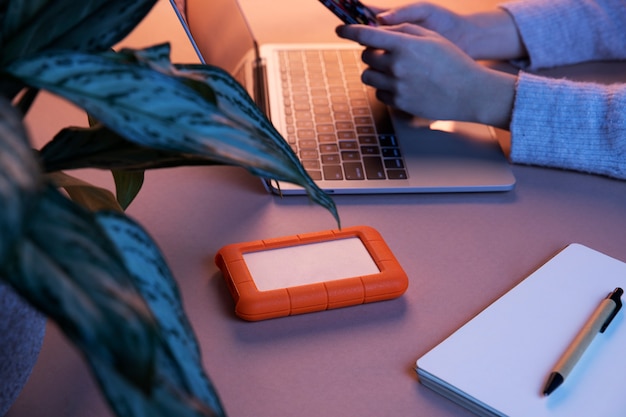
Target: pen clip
616	297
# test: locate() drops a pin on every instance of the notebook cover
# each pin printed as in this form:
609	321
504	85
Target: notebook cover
497	363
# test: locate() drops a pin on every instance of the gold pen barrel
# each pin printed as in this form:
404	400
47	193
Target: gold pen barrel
584	337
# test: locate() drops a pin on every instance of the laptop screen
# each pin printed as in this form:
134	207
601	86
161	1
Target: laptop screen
220	32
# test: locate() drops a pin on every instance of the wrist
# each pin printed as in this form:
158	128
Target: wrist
496	98
494	37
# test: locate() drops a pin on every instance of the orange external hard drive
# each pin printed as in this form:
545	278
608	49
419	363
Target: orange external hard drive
310	272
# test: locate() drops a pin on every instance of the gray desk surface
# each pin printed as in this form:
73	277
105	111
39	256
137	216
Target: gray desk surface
461	252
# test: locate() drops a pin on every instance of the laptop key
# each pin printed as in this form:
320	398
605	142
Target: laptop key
388	140
351	156
344	125
327	138
368	140
330	159
346	135
370	150
374	168
397	174
306	134
363	120
348	145
353	170
391	152
315	175
307	144
325	128
311	164
394	163
332	172
326	148
309	154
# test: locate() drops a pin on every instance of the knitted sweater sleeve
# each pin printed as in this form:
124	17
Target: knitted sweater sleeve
561	32
572	125
562	123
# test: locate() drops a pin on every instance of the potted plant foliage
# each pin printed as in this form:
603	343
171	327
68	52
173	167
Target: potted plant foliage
87	266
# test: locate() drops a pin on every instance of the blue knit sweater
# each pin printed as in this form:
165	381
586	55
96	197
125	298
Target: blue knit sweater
563	123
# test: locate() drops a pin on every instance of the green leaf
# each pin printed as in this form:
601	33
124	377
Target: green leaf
106	284
89	196
100	147
160	110
67	268
181	388
29	27
127	186
20	178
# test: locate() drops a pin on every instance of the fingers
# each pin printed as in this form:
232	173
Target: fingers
378	80
366	36
412	29
385	97
376	58
388	38
377	10
412	13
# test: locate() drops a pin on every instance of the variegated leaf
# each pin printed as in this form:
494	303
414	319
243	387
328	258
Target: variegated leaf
180	377
29	27
100	147
159	110
20	179
68	268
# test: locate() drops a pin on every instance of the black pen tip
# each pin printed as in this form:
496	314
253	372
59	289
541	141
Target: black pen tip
554	380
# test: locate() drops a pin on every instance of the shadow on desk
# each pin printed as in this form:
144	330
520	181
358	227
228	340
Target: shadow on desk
336	320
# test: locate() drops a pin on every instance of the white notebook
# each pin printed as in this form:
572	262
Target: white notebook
497	363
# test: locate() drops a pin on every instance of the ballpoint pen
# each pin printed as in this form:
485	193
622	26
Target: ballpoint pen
597	323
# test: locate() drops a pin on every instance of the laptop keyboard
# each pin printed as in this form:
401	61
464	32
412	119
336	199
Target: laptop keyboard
330	123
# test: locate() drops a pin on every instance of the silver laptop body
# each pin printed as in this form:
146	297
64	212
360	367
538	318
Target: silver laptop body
348	141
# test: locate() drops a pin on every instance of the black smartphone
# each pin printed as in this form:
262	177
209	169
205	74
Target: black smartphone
351	12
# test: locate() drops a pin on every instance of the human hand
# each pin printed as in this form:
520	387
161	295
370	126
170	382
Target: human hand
486	35
422	73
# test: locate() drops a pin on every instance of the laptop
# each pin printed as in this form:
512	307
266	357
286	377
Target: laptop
348	141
